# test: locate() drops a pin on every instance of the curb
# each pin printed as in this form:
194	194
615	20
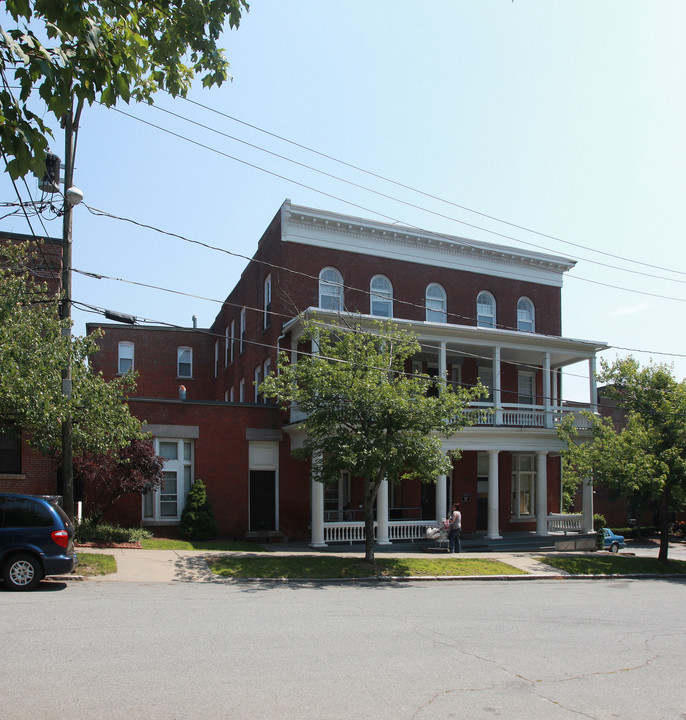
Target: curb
65	578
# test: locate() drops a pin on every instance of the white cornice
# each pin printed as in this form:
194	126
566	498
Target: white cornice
351	234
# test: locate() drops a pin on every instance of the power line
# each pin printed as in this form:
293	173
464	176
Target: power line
435	197
383	215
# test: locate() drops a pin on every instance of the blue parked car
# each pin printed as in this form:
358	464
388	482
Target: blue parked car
36	539
612	542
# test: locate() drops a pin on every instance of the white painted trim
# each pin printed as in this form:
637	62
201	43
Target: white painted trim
328	230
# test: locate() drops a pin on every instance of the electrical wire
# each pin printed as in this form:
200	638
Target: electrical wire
394	220
431	196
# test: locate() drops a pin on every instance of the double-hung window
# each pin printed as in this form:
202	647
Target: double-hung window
268	301
525	315
381	297
184	362
486	378
526	388
436	304
485	310
243	325
331	290
125	358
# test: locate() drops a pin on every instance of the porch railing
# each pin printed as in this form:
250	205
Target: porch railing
352	532
565	523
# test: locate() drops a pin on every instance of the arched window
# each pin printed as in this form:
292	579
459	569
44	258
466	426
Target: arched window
485	309
525	315
436	304
381	296
330	289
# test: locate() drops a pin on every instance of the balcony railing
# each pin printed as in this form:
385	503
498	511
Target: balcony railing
512	415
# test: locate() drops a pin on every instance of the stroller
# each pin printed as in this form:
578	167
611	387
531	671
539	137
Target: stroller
439	533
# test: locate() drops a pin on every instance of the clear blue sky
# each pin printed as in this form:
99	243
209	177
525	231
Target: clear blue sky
563	117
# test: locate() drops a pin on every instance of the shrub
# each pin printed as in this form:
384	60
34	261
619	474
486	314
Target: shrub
101	533
197	519
599	523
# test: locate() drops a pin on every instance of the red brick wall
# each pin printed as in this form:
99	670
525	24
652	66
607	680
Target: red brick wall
222	463
38	474
155	359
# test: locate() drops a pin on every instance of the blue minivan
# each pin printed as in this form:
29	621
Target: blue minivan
36	539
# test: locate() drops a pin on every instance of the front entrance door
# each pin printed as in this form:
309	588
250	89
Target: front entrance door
262	500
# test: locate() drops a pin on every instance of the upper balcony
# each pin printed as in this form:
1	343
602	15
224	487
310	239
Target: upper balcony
523	371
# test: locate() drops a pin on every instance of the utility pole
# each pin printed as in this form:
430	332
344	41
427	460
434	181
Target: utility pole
67	480
72	196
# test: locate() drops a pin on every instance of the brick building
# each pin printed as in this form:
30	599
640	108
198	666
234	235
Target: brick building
23	470
480	311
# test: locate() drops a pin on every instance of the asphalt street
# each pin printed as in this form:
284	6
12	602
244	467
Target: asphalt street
548	649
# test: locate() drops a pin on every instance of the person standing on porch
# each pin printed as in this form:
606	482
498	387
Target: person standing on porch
454	544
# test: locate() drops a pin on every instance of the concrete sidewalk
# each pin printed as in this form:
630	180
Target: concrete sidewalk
160	566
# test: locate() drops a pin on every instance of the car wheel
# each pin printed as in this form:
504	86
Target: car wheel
22	572
614	547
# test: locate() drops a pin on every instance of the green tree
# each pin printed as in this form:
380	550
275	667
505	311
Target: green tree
33	352
197	519
647	455
65	53
364	413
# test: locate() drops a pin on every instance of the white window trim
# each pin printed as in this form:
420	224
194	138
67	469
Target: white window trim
179	466
434	314
381	296
241	347
232	341
516	488
529	377
486	320
120	356
267	301
531	310
179	350
331	288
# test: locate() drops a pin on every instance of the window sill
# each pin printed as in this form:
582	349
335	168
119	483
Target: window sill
12	476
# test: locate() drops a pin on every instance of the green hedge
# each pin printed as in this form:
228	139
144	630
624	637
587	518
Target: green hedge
88	531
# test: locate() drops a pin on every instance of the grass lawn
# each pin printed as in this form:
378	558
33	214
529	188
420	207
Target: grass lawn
95	564
613	565
225	545
331	567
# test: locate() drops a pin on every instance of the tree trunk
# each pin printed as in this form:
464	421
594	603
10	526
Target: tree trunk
370	491
664	525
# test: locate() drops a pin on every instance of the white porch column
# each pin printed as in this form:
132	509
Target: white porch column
497	400
493	532
317	508
441	486
382	514
546	392
587	505
443	361
541	494
593	385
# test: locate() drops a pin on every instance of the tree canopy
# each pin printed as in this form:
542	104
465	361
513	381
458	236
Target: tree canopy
33	353
647	454
58	52
364	412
